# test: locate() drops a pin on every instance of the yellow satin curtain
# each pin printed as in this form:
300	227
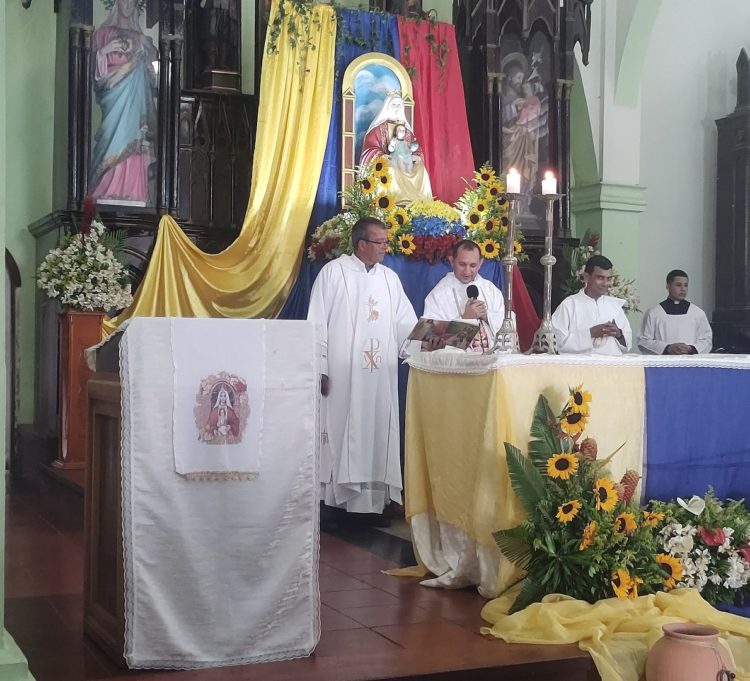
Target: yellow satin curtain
253	276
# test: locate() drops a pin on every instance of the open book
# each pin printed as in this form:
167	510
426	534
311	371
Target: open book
456	333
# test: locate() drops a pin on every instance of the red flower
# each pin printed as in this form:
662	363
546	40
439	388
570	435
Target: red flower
744	551
712	537
594	240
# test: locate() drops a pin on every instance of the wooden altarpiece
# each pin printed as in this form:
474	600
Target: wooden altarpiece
731	318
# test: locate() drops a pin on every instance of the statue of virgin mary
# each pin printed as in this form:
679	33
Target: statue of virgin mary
390	135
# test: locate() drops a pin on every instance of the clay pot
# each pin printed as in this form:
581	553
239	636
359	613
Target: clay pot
688	652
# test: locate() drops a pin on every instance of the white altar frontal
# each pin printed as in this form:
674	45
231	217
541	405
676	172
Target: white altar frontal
219	491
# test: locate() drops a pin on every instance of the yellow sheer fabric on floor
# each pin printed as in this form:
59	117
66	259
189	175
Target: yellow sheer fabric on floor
616	633
253	276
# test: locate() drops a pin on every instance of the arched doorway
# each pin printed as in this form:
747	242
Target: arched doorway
12	286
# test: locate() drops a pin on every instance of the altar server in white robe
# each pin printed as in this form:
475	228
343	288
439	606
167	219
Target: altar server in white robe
450	299
364	318
675	326
590	321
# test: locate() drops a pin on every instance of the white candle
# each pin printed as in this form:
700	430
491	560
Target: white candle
549	183
513	182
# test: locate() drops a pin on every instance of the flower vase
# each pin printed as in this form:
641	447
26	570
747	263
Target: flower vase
688	652
77	331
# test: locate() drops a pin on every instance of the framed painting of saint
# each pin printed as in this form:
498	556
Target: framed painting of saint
524	114
124	119
378	113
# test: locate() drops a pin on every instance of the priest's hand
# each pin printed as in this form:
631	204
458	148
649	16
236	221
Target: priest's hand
475	309
324	385
606	330
679	349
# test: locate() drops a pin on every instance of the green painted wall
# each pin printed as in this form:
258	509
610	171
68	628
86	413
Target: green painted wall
30	123
13	665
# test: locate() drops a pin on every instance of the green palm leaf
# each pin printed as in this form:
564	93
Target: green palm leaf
514	545
544	443
525	478
531	592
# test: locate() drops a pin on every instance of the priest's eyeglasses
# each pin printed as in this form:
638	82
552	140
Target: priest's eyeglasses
377	243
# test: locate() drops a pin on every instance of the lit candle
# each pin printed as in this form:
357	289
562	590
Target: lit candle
549	183
513	182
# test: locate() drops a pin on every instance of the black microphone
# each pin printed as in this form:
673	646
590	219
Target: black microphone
472	291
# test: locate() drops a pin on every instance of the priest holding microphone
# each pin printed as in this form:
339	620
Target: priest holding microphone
465	294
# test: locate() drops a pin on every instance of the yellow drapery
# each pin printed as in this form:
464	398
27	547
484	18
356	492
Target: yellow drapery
253	276
617	633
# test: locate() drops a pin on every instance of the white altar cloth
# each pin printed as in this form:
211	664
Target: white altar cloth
219	572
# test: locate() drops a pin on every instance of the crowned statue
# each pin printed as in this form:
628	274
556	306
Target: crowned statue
390	135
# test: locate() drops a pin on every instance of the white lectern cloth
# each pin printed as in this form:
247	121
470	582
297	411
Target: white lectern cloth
219	572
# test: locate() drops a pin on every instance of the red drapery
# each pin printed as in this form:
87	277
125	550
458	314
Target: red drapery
439	112
442	130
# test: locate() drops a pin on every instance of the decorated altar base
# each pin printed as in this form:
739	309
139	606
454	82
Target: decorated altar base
220	494
681	422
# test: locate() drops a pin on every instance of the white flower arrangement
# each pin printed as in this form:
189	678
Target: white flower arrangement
84	274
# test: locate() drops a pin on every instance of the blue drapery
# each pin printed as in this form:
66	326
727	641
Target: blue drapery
697	433
358	32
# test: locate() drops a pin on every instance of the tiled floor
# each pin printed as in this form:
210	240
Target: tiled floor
374	626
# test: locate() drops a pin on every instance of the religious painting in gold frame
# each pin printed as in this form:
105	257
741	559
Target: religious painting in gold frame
369	83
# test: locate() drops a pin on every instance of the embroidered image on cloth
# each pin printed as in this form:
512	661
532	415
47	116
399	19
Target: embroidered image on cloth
218	400
221	409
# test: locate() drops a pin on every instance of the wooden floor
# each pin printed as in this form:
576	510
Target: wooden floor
373	626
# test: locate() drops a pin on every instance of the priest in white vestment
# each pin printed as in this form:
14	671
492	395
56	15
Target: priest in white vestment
590	321
364	318
675	326
451	300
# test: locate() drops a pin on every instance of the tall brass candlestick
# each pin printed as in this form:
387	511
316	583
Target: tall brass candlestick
544	338
506	339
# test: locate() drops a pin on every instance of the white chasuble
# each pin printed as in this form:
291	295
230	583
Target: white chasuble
660	329
575	316
363	318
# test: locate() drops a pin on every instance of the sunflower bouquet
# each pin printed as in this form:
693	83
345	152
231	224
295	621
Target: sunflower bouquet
422	230
484	213
708	542
583	536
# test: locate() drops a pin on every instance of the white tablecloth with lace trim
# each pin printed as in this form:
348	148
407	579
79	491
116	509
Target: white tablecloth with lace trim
219	572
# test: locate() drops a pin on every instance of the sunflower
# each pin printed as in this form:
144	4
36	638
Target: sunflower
406	244
392	224
562	466
489	248
504	223
589	532
474	219
606	495
381	165
384	180
569	510
481	206
368	185
517	246
502	202
671	568
494	190
491	225
484	175
622	583
625	522
573	423
384	202
579	399
401	216
652	519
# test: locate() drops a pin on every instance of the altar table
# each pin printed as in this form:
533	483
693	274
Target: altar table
461	409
